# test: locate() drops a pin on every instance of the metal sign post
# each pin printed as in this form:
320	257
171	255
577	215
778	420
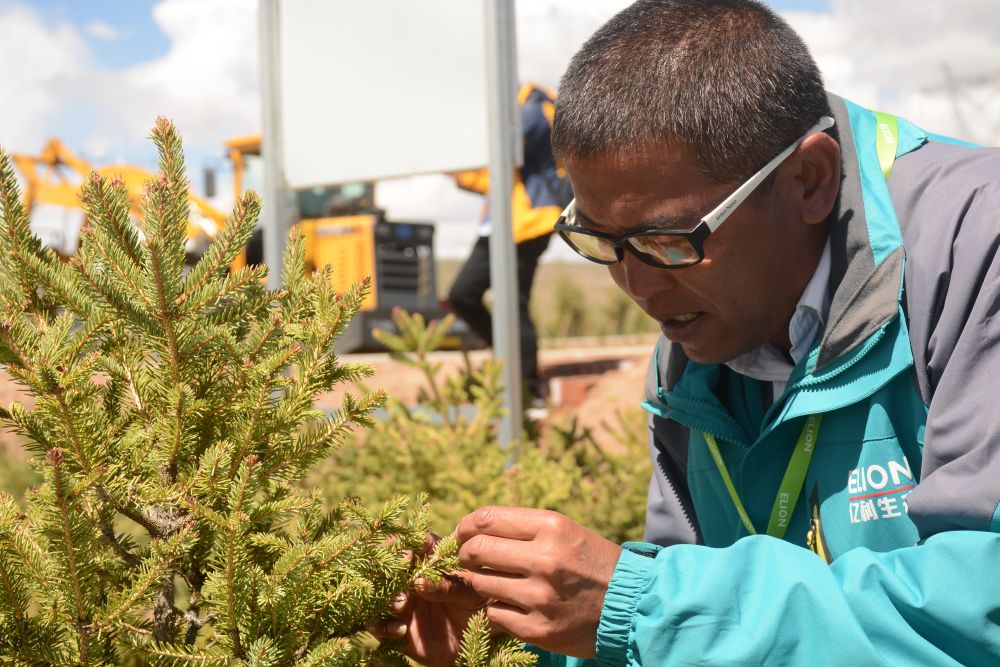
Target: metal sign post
505	154
274	213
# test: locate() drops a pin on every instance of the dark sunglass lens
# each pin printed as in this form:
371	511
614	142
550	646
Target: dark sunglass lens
591	247
668	249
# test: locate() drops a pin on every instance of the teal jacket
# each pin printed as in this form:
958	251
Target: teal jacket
892	553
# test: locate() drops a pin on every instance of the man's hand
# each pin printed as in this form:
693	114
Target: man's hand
431	619
546	575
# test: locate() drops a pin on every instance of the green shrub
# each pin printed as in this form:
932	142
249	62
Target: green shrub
570	316
621	315
16	473
447	447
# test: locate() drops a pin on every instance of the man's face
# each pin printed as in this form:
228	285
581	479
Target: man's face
756	264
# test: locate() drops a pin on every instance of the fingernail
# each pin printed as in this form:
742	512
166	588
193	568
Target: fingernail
395	628
399	602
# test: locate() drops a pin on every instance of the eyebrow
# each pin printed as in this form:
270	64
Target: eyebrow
666	223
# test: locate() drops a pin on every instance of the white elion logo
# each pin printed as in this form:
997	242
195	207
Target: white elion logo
879	491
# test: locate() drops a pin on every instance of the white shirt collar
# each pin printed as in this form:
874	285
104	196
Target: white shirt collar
768	362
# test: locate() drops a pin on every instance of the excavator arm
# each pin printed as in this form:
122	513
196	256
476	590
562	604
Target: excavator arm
55	176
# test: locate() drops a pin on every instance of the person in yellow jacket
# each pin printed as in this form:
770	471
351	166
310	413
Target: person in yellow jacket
536	205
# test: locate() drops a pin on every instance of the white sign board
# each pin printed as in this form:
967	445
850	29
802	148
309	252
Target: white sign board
381	88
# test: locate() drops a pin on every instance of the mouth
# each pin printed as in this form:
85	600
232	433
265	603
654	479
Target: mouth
681	328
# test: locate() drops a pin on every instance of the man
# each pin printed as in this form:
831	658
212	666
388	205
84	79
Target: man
827	283
535	209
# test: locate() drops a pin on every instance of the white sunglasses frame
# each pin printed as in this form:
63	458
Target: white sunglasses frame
719	214
708	224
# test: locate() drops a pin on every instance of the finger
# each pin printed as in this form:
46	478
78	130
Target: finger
513	620
399	603
516	523
387	629
451	589
503	555
511	589
430	541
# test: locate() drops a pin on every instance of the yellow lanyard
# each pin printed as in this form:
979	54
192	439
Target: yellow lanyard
791	483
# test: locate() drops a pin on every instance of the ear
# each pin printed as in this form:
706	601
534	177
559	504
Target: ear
819	177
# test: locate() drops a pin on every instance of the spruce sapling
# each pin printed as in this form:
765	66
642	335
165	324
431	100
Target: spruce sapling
174	418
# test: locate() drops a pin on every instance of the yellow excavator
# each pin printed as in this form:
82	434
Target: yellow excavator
52	180
342	227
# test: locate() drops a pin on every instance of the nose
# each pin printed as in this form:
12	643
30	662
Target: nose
640	280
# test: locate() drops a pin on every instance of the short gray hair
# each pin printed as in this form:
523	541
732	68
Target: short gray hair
728	77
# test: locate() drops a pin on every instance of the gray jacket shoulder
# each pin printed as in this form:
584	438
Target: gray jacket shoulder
947	199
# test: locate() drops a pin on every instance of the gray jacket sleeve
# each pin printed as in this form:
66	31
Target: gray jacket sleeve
947	199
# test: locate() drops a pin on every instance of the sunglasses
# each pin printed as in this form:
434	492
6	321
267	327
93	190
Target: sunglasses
669	249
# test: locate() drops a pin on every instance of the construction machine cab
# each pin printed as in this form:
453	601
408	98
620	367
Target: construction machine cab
343	228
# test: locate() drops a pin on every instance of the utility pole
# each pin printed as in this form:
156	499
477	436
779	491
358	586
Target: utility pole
505	154
275	212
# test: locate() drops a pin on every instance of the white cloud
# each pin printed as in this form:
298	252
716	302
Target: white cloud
44	68
549	32
102	30
206	82
937	64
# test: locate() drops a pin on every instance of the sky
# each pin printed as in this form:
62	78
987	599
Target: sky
97	73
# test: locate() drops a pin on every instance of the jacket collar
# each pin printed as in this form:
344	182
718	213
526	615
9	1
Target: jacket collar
866	277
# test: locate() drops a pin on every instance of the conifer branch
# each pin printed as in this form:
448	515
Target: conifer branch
108	206
71	430
136	398
178	436
171	654
16	235
153	527
151	573
46	271
108	531
15	598
11	345
319	566
89	336
163	316
82	620
230	287
325	653
221	253
129	276
275	326
247	438
243	481
127	310
21	544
